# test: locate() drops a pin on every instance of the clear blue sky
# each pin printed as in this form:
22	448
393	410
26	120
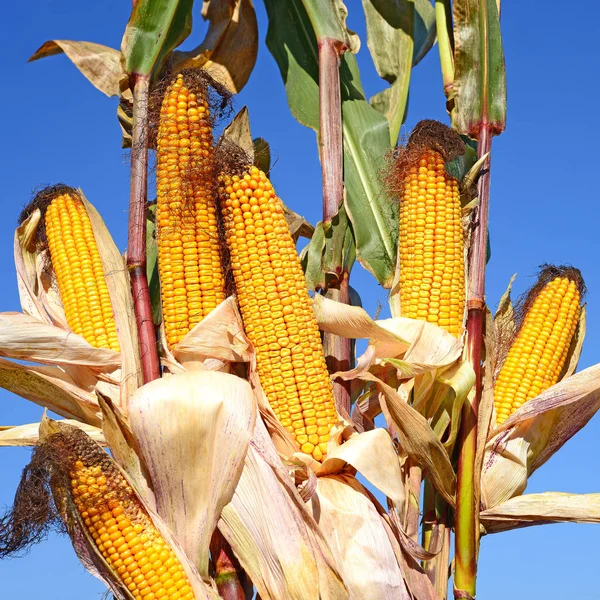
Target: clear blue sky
57	127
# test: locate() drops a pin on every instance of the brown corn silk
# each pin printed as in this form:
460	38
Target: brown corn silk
277	310
121	528
535	359
66	231
431	239
189	250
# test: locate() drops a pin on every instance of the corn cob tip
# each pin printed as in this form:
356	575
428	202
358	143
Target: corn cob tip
42	201
534	358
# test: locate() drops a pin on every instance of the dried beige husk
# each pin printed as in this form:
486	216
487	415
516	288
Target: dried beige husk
272	534
193	431
534	432
216	341
541	509
348	518
28	435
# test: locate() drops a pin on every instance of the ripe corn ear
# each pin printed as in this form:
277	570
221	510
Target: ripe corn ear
431	245
537	355
121	528
277	310
79	273
189	252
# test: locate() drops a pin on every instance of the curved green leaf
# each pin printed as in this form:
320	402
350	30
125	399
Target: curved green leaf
293	44
155	28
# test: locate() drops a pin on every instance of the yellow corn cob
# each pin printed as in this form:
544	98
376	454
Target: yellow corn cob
189	254
537	355
431	245
122	529
76	262
277	310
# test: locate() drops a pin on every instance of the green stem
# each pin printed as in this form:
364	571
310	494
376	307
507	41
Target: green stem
467	494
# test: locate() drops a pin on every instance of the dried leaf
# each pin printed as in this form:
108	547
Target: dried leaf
541	509
119	288
25	338
238	133
294	566
354	322
193	431
28	435
51	388
125	449
228	52
349	519
217	339
100	64
372	454
534	432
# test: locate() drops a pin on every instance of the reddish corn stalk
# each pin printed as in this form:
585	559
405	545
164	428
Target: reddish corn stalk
228	571
337	349
136	243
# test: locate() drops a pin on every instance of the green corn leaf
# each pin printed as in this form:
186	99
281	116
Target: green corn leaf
293	44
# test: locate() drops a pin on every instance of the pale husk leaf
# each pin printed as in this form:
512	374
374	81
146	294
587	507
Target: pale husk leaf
354	322
357	534
541	509
373	455
417	438
275	539
119	288
125	449
28	435
218	339
51	388
26	338
534	432
100	64
193	431
25	256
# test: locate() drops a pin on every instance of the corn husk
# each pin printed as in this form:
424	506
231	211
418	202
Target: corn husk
28	435
51	388
193	431
217	340
534	432
272	534
42	335
348	518
85	547
541	509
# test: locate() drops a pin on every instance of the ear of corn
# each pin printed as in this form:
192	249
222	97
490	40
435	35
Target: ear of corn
79	273
122	530
277	310
189	254
537	355
431	245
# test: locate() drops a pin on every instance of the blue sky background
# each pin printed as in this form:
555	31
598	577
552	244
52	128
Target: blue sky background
57	127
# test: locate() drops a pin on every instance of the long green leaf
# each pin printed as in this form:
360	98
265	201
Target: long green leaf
155	28
293	44
480	76
399	34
